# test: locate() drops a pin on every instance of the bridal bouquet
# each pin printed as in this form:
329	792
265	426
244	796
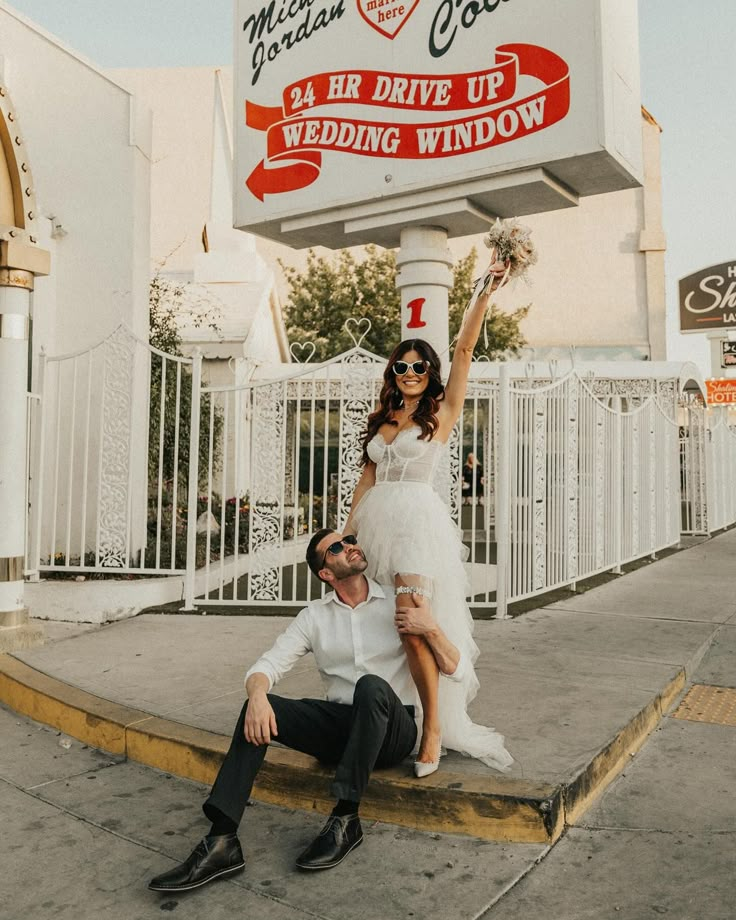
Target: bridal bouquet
512	243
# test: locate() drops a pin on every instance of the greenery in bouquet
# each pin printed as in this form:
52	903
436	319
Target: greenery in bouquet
512	243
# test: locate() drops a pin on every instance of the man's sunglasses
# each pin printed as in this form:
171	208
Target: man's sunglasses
337	547
402	367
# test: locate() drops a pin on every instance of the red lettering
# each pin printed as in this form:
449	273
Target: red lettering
415	308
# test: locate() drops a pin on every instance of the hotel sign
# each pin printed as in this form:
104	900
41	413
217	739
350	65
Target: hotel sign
349	109
708	299
721	392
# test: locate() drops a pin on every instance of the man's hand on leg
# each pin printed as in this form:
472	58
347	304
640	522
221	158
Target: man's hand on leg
260	720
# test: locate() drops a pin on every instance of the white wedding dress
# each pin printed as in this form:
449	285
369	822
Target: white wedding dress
404	527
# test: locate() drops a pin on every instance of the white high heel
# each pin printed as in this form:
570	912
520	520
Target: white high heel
422	769
425	769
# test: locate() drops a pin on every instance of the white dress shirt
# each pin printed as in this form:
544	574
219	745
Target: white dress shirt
347	642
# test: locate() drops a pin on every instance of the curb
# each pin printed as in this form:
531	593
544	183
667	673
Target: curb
496	807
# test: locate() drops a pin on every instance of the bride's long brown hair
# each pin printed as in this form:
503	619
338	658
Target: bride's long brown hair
425	414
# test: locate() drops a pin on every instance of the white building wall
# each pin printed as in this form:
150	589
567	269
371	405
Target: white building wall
192	190
89	146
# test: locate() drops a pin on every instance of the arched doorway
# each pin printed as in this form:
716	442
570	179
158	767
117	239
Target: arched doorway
17	195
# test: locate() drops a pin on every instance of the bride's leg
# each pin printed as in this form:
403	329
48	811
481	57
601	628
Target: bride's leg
423	668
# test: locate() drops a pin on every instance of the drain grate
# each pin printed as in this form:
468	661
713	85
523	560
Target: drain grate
716	705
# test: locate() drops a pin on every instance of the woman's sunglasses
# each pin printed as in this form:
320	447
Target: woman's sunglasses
337	547
402	367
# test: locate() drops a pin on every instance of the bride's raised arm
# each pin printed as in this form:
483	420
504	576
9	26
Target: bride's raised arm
457	383
513	253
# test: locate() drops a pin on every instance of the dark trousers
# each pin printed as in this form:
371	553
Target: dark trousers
376	730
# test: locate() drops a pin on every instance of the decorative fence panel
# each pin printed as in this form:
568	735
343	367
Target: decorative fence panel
707	468
592	466
720	451
113	448
283	463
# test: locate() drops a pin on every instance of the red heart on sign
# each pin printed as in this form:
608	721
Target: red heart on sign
386	16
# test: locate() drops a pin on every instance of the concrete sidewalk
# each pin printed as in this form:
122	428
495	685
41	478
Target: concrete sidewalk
659	841
576	687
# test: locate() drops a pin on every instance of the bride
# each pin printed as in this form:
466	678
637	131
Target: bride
406	532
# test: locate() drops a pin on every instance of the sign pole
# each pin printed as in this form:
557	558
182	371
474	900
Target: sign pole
424	280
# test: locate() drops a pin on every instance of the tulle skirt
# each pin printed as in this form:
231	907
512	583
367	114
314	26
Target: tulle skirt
405	528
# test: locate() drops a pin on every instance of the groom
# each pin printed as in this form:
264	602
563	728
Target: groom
366	721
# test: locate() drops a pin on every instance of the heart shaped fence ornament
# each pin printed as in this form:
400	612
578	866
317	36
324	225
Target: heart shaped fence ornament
359	324
386	16
301	347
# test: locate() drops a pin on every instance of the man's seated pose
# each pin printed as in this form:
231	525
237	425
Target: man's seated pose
367	719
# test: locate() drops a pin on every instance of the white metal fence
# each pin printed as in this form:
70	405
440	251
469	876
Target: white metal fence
591	467
111	461
579	472
33	410
708	468
580	475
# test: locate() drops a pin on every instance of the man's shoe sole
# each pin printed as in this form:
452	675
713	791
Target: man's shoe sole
204	881
332	864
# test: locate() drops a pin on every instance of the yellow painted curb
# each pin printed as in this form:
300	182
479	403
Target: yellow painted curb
492	808
177	748
606	765
489	807
89	718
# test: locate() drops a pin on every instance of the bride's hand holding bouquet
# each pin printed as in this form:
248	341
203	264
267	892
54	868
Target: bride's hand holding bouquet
512	254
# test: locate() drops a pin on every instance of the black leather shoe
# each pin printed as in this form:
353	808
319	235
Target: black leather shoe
336	839
212	858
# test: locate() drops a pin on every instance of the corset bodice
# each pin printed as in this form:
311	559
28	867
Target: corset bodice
407	458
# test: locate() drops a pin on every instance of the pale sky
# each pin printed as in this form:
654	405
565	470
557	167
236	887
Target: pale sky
687	68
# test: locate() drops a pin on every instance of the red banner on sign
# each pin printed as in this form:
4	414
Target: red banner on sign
497	119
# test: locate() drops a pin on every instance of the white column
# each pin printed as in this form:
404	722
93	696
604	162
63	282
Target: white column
15	298
424	279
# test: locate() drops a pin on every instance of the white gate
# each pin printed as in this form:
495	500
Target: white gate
591	465
693	438
283	462
721	469
708	468
110	476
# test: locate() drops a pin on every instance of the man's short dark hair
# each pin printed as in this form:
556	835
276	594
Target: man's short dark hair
314	559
